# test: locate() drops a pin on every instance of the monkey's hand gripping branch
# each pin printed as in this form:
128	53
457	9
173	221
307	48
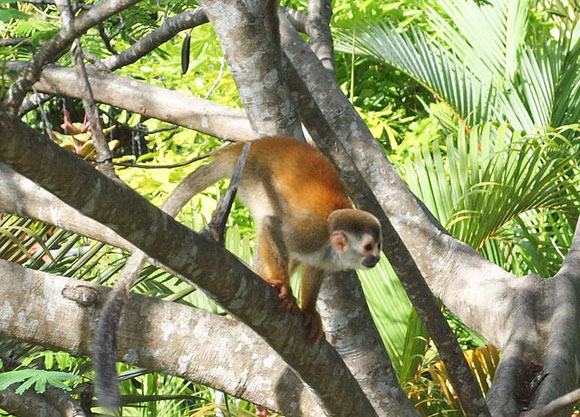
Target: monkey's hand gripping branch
287	301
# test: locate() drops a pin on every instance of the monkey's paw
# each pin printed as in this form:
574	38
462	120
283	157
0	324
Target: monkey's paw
287	302
313	324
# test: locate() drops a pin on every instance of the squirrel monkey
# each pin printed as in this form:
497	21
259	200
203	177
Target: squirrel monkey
303	217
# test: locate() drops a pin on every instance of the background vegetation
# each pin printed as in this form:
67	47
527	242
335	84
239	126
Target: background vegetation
474	103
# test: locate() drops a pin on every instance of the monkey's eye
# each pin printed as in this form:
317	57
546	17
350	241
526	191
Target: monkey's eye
368	247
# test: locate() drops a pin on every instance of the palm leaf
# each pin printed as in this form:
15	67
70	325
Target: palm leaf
483	64
487	37
511	196
427	62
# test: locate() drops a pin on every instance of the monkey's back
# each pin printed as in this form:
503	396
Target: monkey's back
287	183
300	173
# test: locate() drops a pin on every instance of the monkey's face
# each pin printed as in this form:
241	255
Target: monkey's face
356	251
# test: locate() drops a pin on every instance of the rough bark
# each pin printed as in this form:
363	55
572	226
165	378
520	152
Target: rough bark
29	404
248	34
318	28
154	334
25	198
350	329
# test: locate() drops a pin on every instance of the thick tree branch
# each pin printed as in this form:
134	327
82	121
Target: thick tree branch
171	106
239	291
29	404
248	34
24	198
349	327
550	409
158	335
318	28
530	318
562	345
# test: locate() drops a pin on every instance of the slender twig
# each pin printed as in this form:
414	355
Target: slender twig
33	101
218	79
106	39
45	121
91	110
145	166
15	41
556	405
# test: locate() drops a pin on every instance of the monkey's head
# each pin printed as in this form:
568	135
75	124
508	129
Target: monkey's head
355	237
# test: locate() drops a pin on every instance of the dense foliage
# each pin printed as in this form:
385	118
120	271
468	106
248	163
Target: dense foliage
480	124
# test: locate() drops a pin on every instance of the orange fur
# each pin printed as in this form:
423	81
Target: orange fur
299	203
306	178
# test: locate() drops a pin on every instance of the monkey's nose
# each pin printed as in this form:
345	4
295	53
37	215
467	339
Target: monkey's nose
370	261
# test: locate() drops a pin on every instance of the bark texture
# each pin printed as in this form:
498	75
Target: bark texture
162	336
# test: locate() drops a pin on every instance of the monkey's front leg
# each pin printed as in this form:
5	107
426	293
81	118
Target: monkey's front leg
271	263
311	282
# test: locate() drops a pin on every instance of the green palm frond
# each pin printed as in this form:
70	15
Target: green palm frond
534	242
483	63
487	37
483	185
427	62
516	180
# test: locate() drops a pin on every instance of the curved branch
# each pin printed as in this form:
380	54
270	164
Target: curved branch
165	32
28	404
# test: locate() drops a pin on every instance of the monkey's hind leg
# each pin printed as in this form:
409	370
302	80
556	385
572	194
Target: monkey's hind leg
312	278
271	262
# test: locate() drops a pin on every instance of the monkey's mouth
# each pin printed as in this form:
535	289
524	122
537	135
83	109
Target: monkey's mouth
370	261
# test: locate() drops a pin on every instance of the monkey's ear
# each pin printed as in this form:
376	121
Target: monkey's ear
338	241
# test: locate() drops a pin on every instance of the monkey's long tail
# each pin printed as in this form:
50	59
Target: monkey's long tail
105	349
